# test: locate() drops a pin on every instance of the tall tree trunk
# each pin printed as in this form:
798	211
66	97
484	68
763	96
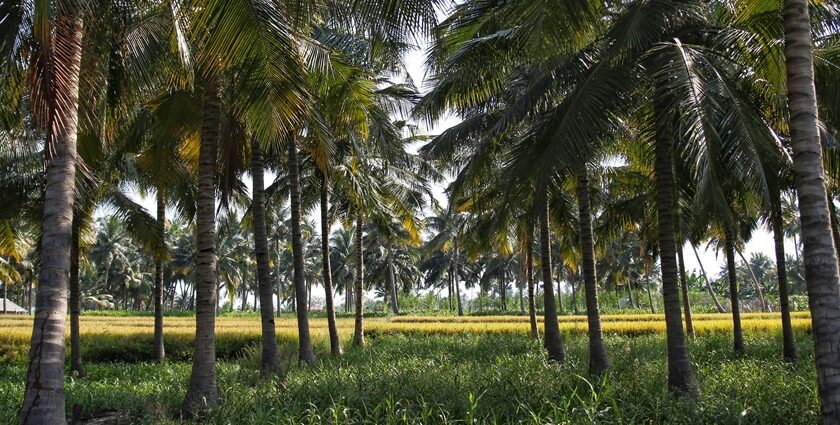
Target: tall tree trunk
689	324
503	287
560	292
553	341
279	279
756	283
789	346
455	276
529	276
335	342
159	349
681	377
268	362
711	290
43	400
821	272
307	354
309	295
835	226
359	331
598	360
75	300
738	333
449	285
391	280
630	294
29	293
650	297
202	393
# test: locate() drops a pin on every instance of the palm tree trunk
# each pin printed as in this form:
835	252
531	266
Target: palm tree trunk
835	226
268	362
335	342
650	297
391	280
738	333
560	293
449	287
359	331
689	324
43	400
75	301
756	283
159	349
598	360
711	290
307	354
202	392
681	377
789	345
503	287
821	272
529	276
553	341
29	293
456	281
630	295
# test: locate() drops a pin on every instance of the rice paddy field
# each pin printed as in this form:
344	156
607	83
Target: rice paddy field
432	369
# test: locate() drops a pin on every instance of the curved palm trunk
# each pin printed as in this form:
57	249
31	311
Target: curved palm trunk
307	354
755	282
43	400
789	345
681	377
202	392
335	342
821	273
598	360
689	324
75	301
359	331
709	288
268	362
737	332
553	341
391	280
159	350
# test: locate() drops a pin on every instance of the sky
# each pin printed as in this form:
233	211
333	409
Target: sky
761	242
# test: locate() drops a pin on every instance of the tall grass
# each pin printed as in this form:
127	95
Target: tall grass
464	379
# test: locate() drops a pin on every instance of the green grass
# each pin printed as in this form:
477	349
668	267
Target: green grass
464	379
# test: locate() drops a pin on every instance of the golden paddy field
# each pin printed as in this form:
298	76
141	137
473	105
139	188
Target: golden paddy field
18	328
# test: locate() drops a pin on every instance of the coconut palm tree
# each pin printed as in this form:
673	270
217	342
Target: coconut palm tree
823	278
54	64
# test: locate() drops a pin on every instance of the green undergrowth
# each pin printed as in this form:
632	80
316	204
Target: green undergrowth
425	379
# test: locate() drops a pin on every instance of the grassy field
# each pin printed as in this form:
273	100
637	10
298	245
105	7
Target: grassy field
435	370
